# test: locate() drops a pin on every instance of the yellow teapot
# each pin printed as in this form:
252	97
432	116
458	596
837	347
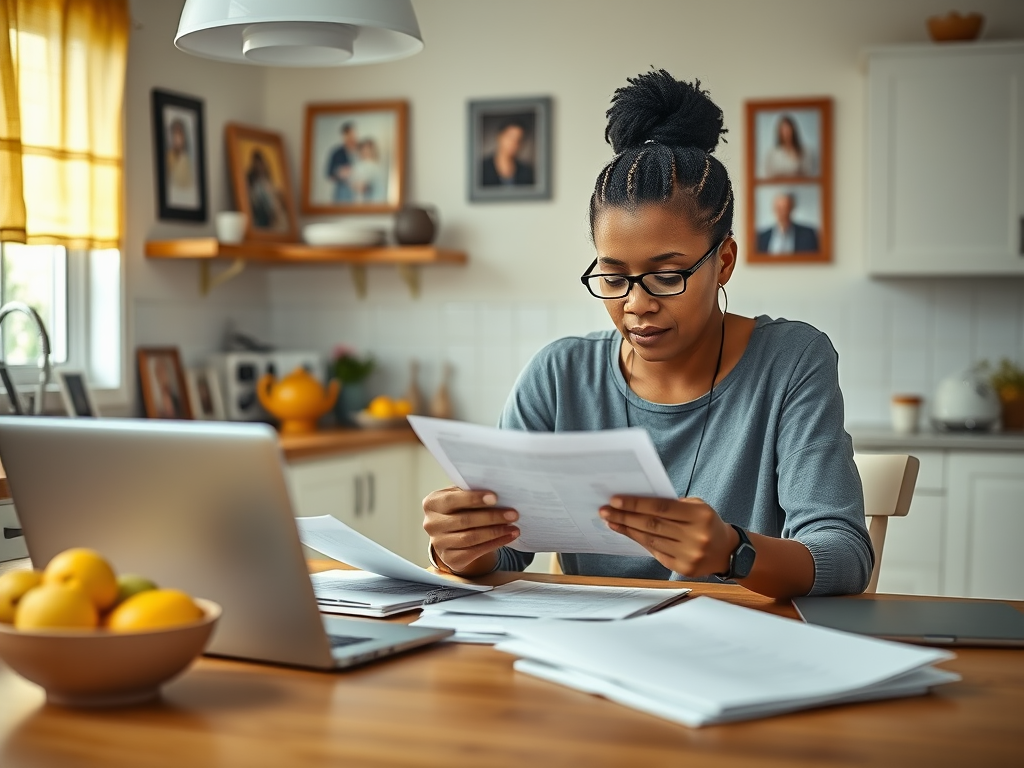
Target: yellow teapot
297	400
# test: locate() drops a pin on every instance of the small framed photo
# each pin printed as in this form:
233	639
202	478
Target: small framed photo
510	149
75	392
789	181
261	182
162	380
353	157
204	394
180	157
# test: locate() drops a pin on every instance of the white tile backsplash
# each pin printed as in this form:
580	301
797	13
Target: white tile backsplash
891	338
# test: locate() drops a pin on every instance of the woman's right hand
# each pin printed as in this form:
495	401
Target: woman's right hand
466	529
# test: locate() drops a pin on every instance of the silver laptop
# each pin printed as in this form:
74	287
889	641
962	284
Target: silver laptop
202	507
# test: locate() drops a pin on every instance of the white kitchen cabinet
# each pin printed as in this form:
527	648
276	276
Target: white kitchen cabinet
985	530
945	159
12	547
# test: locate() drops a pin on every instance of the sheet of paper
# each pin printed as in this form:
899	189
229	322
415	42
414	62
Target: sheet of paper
532	599
338	541
688	654
556	481
362	588
485	630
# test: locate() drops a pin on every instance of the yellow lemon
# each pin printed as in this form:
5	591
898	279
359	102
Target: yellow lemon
55	606
382	407
154	609
13	586
87	570
402	408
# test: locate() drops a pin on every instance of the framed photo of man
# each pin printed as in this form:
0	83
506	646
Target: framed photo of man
353	158
261	183
179	155
510	149
789	181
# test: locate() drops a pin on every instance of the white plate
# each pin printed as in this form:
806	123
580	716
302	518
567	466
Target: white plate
337	233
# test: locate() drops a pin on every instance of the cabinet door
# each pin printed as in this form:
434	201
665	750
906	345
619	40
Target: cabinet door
326	487
912	556
12	547
985	529
386	478
945	156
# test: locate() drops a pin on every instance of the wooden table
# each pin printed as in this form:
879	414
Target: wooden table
463	705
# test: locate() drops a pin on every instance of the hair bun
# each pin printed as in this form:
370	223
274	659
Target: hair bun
657	107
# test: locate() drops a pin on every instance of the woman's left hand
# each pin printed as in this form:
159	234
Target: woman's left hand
685	535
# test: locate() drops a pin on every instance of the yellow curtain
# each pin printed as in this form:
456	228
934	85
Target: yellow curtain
62	70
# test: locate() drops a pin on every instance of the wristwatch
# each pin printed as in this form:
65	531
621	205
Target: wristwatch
741	561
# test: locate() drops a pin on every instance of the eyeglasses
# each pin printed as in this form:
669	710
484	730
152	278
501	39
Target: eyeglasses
669	282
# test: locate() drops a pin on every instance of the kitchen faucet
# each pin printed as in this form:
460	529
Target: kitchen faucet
44	360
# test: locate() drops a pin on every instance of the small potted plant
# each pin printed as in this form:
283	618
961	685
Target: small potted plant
1008	382
352	371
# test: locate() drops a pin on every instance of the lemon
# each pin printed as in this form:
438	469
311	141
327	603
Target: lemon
87	570
402	408
13	586
382	407
55	606
154	609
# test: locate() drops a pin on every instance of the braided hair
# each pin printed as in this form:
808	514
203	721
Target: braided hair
663	132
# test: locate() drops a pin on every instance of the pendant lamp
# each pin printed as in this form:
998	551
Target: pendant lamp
299	33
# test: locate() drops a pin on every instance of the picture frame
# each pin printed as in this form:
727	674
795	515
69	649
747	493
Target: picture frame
354	157
261	182
509	151
76	394
179	156
204	394
162	381
789	181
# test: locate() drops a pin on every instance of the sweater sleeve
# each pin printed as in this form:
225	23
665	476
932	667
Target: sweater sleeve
818	485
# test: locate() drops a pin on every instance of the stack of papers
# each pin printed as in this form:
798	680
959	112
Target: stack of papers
707	661
490	617
391	583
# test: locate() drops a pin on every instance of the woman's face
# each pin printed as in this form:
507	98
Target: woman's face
651	238
786	133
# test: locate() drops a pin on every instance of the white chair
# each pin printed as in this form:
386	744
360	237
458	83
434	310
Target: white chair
888	481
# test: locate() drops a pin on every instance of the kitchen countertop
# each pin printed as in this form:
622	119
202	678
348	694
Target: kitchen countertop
880	438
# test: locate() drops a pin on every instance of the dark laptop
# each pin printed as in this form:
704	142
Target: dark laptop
927	622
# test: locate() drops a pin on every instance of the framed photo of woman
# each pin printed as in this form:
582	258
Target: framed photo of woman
789	181
180	157
353	157
510	149
162	381
261	183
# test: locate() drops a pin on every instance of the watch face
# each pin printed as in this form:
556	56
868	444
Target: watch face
743	561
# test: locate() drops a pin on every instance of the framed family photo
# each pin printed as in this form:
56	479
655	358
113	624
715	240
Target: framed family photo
262	187
179	154
510	149
353	158
789	181
204	394
162	380
76	395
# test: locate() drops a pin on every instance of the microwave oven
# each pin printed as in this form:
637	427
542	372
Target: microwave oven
238	373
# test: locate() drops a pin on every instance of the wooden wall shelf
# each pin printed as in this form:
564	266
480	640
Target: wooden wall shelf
206	250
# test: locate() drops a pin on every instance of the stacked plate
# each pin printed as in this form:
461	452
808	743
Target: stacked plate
342	233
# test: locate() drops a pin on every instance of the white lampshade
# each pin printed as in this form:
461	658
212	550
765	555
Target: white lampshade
299	33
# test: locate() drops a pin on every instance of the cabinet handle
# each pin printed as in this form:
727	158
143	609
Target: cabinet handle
1022	235
359	495
371	488
12	533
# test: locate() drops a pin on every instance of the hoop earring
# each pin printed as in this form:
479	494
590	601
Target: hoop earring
726	294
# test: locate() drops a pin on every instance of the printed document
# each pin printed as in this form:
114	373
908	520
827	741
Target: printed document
556	481
358	593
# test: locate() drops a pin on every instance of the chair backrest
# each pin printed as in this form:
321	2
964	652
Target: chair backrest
888	481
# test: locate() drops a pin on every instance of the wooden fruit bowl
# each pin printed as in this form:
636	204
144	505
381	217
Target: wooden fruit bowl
953	27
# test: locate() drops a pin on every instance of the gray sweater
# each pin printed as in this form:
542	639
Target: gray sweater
776	458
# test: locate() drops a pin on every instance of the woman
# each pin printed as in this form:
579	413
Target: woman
769	493
789	157
504	168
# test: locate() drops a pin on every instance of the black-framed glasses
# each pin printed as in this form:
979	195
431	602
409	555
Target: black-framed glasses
668	282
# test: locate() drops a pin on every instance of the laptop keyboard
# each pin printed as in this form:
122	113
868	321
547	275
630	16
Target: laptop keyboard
340	641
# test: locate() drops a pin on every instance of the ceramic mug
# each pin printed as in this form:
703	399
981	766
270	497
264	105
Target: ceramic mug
230	226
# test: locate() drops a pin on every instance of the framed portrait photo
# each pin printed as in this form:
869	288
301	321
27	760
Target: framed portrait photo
75	392
789	181
162	380
180	157
510	149
204	394
353	158
261	183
